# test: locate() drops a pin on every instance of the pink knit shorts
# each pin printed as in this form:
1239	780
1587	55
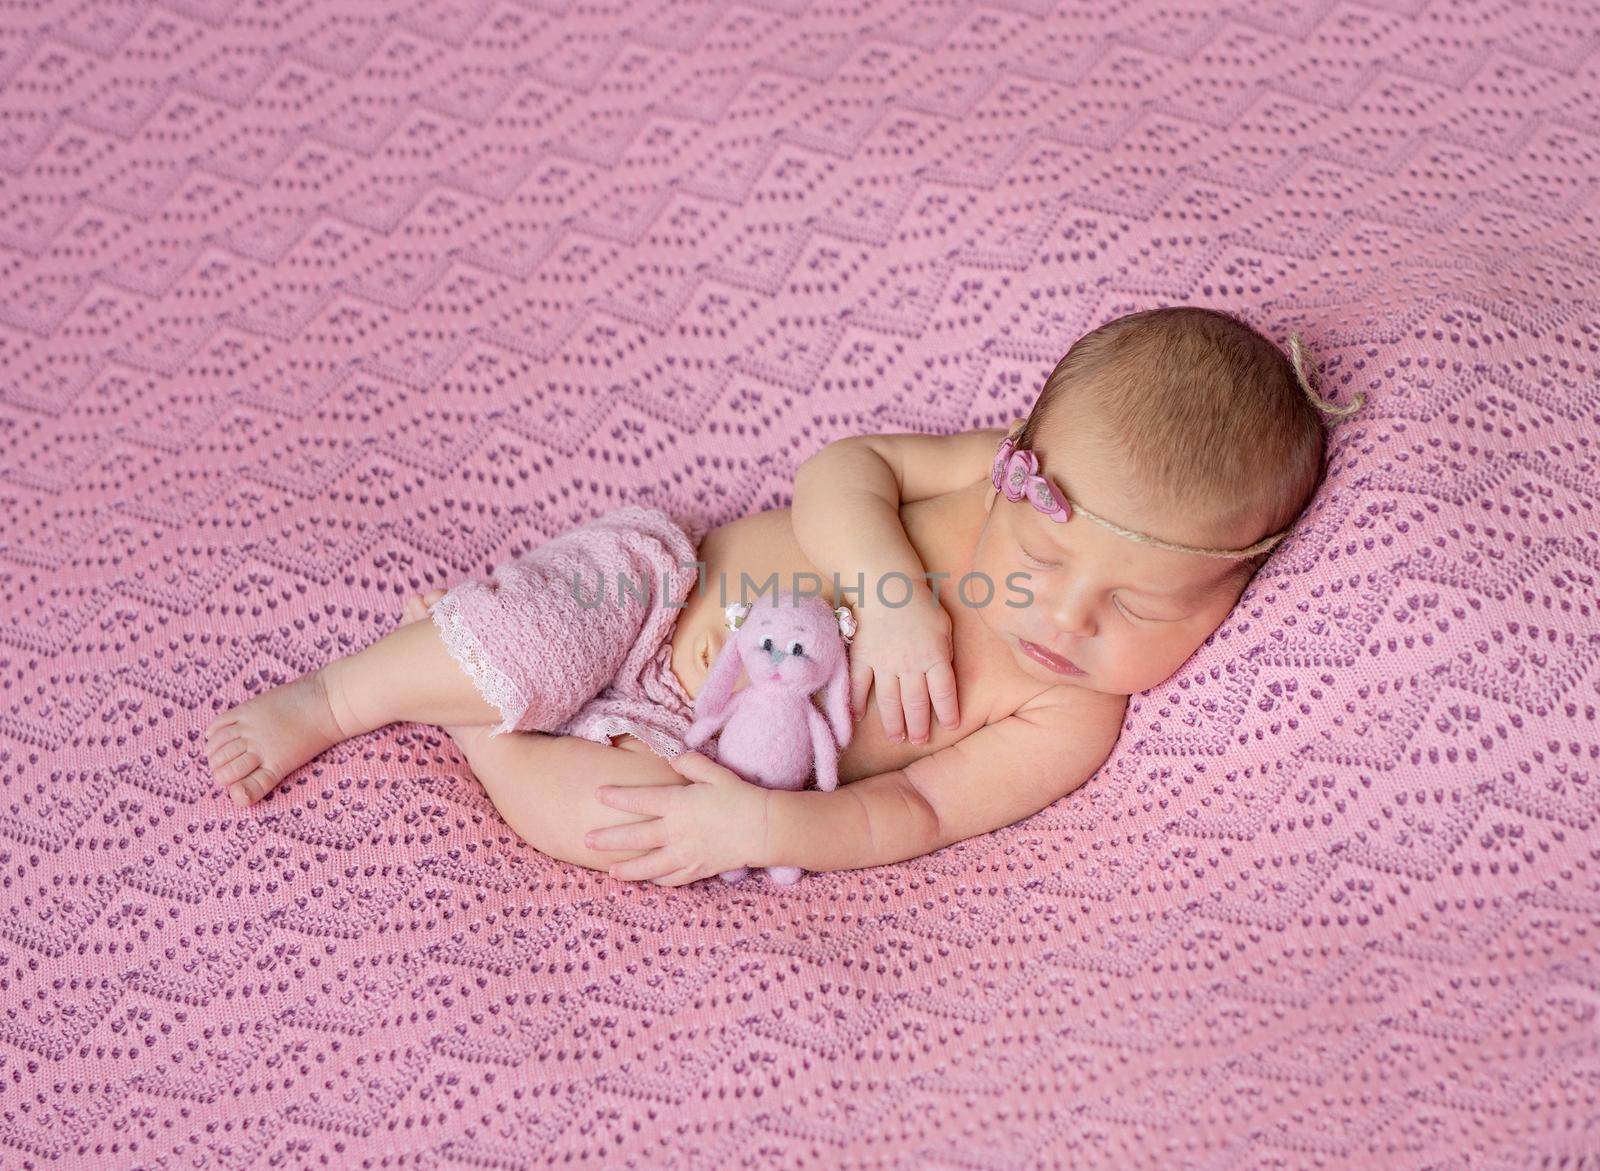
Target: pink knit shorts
574	638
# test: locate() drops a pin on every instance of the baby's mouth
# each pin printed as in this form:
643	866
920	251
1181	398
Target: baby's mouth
1056	663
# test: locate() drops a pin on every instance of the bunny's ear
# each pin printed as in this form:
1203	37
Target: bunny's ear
836	701
717	691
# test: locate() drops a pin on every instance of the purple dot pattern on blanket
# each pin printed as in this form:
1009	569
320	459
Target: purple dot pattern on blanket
307	308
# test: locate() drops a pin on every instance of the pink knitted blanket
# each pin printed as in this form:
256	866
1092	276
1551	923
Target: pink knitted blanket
307	307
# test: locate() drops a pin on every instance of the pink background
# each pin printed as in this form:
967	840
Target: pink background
310	306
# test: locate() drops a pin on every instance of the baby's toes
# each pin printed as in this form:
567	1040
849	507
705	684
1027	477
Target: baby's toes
223	749
233	762
253	787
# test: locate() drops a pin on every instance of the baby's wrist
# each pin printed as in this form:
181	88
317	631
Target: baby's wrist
776	840
764	839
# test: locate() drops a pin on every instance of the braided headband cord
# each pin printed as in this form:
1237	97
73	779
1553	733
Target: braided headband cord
1330	411
1329	408
1260	546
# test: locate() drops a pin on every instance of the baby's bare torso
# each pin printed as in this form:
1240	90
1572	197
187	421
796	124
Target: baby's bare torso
943	530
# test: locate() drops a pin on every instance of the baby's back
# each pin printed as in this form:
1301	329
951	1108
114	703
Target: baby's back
943	530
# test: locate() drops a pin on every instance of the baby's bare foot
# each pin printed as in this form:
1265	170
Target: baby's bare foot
253	746
416	607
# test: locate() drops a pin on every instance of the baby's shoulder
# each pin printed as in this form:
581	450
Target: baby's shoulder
926	466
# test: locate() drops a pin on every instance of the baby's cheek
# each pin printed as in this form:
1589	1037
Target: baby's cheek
1149	664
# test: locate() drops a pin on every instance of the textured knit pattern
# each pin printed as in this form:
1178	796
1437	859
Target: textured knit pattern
308	307
575	636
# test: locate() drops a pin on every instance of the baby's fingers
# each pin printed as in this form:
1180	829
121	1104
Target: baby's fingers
942	691
679	877
645	867
889	707
635	835
914	699
860	686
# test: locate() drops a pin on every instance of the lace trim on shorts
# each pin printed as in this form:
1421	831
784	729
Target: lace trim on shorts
465	649
662	746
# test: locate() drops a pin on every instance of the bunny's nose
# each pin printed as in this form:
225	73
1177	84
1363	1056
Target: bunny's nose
778	655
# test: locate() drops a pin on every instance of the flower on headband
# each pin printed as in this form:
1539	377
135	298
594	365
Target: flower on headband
997	474
1046	501
847	622
1021	467
1016	474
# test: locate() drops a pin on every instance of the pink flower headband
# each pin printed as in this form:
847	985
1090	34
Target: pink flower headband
1016	474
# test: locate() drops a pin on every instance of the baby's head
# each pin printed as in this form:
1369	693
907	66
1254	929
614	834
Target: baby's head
1185	426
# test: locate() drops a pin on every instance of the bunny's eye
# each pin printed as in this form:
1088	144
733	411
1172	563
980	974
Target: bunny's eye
766	643
796	649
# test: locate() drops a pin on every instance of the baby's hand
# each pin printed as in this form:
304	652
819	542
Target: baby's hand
715	824
906	651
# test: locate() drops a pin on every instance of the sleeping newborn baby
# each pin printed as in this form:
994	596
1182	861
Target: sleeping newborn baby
1010	589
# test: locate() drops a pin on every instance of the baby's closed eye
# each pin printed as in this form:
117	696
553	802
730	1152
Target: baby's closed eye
1141	611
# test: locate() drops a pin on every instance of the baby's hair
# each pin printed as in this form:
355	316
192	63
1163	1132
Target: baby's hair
1199	406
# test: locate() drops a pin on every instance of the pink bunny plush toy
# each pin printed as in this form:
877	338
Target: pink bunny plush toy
772	734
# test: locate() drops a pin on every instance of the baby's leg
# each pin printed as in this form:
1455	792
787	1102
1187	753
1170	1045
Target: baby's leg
544	787
406	675
521	650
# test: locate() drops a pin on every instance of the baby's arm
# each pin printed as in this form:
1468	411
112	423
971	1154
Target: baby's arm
993	778
847	497
846	519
